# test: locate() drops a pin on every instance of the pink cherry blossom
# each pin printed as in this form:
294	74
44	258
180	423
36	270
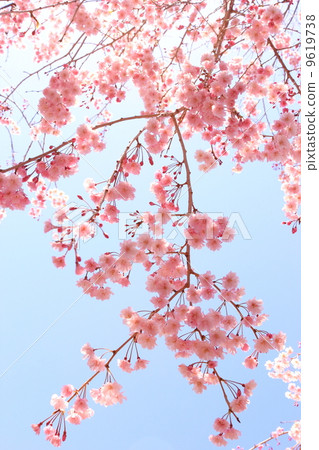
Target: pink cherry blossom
73	418
239	404
59	261
140	364
36	428
58	402
108	394
250	362
218	440
230	281
67	390
232	433
125	365
221	425
215	88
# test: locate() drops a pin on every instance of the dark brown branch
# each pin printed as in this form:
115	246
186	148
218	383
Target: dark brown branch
287	71
96	127
221	34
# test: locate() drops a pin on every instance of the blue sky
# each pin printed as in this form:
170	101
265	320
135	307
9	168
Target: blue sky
41	303
161	411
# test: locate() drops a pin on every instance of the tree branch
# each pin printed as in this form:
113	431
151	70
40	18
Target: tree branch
287	71
267	440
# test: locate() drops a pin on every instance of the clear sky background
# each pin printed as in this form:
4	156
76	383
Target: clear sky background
161	412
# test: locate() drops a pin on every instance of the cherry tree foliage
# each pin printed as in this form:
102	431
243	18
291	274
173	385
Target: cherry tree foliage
226	72
286	367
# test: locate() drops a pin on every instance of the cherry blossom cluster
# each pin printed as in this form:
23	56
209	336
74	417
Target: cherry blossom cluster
211	90
117	187
43	194
68	230
245	136
149	251
108	394
290	177
87	139
61	165
73	223
82	19
6	119
209	337
226	431
158	133
59	96
116	267
56	433
207	160
264	22
280	149
286	367
113	73
203	230
228	75
143	78
208	101
50	168
166	190
12	195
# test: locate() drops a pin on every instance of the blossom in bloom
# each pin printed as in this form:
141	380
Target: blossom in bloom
73	417
232	433
87	351
59	261
239	404
249	387
96	364
55	440
67	390
58	402
250	362
125	190
36	428
263	344
221	425
140	364
125	365
218	440
230	281
49	430
108	394
295	431
255	306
